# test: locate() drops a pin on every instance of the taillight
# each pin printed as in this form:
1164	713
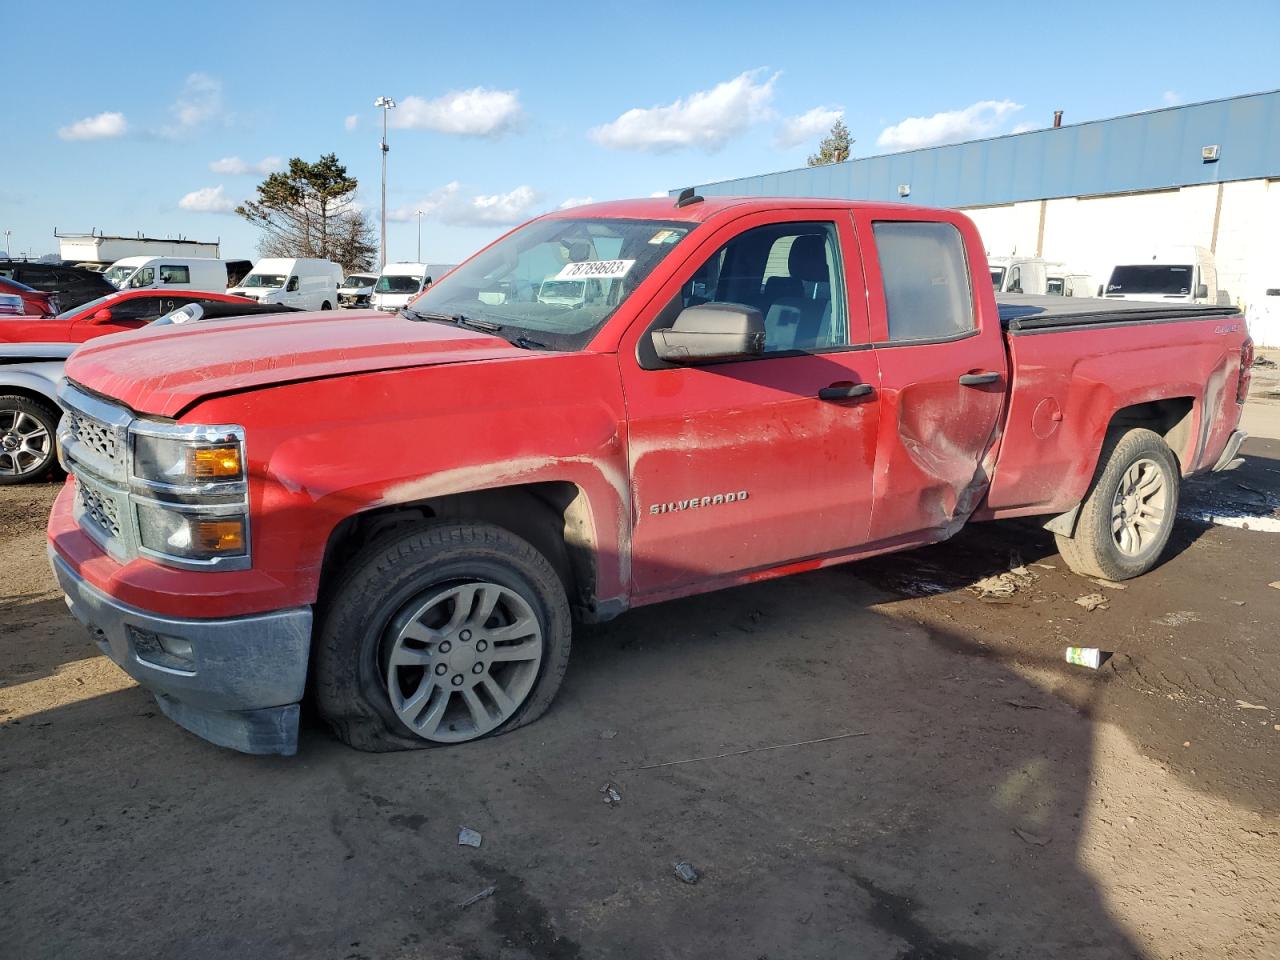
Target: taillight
1246	371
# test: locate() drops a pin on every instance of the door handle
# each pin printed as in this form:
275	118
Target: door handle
977	379
848	391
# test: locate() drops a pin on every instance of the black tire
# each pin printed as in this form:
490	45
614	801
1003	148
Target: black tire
1094	550
326	305
391	576
17	467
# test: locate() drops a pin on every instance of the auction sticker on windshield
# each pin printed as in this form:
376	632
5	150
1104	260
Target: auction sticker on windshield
601	269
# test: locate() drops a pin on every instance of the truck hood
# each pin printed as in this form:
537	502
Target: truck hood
164	370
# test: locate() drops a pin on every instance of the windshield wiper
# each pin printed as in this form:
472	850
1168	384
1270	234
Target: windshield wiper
485	326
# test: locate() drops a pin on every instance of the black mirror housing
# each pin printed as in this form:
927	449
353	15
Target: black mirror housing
1202	291
711	331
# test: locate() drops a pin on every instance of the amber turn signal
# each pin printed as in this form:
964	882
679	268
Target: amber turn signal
213	463
220	536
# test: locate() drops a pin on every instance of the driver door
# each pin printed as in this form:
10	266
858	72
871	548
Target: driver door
753	463
131	314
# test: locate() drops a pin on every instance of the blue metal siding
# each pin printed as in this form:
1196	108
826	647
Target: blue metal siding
1142	151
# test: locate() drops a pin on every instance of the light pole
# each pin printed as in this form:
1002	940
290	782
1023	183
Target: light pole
386	105
7	254
419	212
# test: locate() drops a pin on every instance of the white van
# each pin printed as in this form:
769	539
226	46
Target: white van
178	273
356	290
295	282
1184	273
402	282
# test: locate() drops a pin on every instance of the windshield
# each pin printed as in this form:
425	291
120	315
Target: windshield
355	282
557	279
997	277
1171	281
118	274
89	307
388	283
264	280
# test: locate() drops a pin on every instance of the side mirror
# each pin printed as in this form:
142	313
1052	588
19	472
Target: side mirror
711	331
1202	291
102	315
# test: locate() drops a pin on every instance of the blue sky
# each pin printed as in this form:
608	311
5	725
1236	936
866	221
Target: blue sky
157	117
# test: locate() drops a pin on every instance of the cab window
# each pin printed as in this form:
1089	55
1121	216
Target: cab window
791	273
144	277
293	285
175	274
926	280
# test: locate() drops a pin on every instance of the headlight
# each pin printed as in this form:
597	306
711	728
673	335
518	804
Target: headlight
188	485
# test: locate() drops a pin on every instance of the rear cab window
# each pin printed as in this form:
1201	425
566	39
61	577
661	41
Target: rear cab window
175	274
925	274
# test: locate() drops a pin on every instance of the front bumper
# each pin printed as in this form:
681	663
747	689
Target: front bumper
236	682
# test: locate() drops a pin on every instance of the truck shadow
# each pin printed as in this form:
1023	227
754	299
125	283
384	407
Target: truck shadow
941	812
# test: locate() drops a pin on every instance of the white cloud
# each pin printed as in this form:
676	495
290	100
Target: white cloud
352	121
477	112
812	123
1171	98
706	118
449	205
1024	128
660	193
951	126
199	102
207	200
235	166
100	127
577	202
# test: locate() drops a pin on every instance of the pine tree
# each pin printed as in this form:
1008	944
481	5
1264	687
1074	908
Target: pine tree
834	147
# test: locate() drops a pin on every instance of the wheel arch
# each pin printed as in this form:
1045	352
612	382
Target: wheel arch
553	515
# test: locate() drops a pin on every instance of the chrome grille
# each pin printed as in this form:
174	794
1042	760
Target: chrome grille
98	509
100	438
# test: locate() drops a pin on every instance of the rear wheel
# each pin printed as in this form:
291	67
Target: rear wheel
27	448
1127	517
442	634
326	305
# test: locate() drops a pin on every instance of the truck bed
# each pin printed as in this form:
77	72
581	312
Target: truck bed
1075	362
1026	313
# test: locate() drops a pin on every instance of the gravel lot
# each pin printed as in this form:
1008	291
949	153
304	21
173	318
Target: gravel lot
980	797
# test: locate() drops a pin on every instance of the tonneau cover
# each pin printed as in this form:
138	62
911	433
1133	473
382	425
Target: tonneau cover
1026	312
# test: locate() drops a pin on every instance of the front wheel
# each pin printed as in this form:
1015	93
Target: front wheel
326	306
27	448
1127	517
446	633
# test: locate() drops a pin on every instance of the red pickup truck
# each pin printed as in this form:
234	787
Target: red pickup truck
609	406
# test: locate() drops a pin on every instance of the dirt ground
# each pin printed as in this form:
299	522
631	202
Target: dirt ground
971	795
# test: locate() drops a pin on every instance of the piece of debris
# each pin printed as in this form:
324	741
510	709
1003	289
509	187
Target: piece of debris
608	734
611	795
1091	601
1000	585
1275	726
469	838
484	894
1178	617
1045	566
1090	657
685	871
1034	838
1110	585
1186	743
1024	704
1246	705
1274	583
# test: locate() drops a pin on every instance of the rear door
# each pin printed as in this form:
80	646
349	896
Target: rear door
749	464
943	371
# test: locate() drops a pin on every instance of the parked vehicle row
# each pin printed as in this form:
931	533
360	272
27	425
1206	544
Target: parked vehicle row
403	513
71	286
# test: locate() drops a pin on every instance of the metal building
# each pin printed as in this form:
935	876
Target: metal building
1097	193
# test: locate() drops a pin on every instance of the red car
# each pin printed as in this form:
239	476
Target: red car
19	300
613	405
126	310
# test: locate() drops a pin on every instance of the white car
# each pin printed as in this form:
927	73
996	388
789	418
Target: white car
356	290
294	282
